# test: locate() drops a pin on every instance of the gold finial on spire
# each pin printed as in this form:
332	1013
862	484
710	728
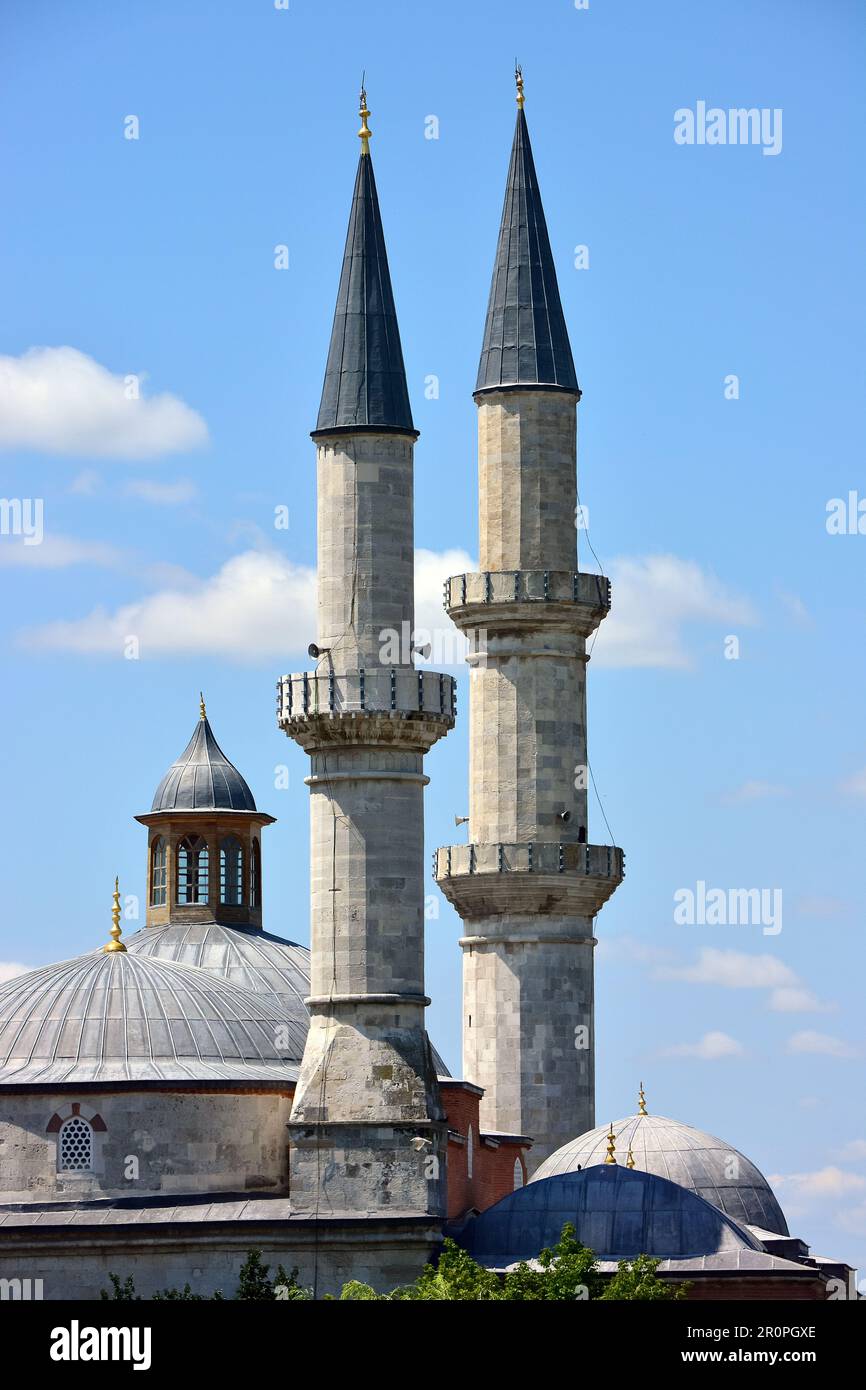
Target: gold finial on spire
611	1145
629	1163
115	944
642	1110
201	709
518	77
365	132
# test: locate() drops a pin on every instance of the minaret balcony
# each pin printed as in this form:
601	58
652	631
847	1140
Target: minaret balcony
527	598
387	704
482	880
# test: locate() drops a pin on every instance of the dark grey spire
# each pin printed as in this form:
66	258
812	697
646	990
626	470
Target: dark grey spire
365	380
203	779
525	337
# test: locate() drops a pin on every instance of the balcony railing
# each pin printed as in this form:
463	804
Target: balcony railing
376	690
528	586
539	857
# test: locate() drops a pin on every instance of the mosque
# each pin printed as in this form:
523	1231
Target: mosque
205	1087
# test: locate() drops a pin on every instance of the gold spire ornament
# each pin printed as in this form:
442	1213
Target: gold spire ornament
518	77
365	132
201	709
115	944
629	1163
642	1110
611	1145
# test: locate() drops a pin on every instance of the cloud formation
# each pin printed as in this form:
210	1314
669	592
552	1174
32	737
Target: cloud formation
57	552
655	600
738	970
709	1048
57	400
10	968
820	1044
259	605
167	494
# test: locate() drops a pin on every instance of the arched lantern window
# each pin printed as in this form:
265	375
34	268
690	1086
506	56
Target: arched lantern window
518	1174
256	875
192	870
158	872
470	1153
75	1146
231	871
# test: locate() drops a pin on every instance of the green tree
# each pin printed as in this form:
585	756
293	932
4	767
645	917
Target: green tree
565	1273
123	1293
255	1286
636	1279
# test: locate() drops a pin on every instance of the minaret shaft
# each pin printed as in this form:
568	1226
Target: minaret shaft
528	884
367	1133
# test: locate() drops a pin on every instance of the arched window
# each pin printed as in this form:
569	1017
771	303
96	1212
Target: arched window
75	1146
256	876
231	871
158	872
192	870
470	1152
518	1174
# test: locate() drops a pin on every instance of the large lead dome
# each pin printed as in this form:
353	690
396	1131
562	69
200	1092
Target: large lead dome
697	1161
123	1017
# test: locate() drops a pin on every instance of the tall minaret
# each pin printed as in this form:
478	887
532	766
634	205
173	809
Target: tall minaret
528	884
367	1132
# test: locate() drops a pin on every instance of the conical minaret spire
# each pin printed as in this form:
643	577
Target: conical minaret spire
367	1134
530	881
365	380
525	337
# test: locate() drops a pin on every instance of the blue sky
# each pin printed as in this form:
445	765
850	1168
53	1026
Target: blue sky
154	258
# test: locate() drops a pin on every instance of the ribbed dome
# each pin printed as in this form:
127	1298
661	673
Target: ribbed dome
618	1212
124	1017
697	1161
203	779
275	970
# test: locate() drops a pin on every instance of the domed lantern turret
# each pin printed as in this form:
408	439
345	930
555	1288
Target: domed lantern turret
204	841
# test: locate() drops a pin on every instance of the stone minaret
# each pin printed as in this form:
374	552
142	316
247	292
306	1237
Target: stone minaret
367	1133
528	884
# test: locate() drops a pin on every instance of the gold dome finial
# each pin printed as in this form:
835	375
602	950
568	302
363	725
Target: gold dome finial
611	1145
201	709
365	132
518	77
115	944
642	1110
629	1163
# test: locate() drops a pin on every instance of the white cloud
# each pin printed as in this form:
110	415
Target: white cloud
60	401
57	552
856	784
630	950
709	1048
84	484
655	599
821	1044
796	608
10	968
854	1150
163	494
824	1182
754	791
257	606
738	970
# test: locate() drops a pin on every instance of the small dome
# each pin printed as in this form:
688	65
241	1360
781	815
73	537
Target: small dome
617	1212
274	969
697	1161
203	779
124	1017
